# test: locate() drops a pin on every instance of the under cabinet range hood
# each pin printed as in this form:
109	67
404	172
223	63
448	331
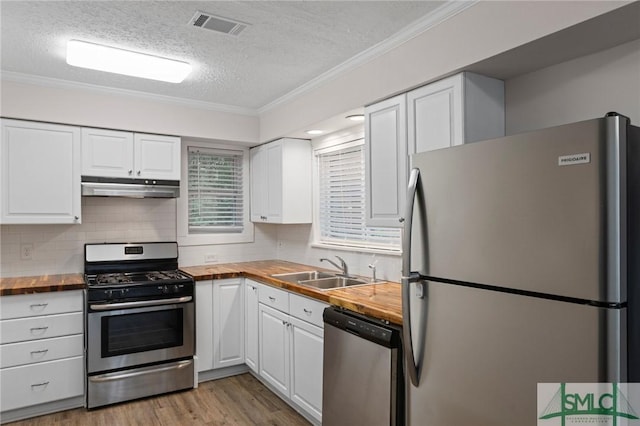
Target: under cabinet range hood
131	188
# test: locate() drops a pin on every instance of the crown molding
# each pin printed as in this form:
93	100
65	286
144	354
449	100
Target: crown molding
439	15
66	84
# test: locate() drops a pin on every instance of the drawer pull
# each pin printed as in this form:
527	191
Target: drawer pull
307	311
38	306
41	329
273	299
43	351
36	385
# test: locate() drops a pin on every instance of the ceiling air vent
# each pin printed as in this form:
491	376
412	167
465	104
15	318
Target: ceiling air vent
217	23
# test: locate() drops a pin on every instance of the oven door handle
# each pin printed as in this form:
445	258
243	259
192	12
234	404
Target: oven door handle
139	304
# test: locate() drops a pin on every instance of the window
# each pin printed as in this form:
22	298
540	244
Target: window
341	202
213	205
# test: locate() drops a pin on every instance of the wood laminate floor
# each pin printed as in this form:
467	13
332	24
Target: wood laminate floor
238	400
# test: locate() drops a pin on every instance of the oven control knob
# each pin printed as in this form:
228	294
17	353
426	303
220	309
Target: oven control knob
108	293
165	289
123	292
176	288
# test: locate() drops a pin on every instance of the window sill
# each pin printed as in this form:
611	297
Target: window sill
357	249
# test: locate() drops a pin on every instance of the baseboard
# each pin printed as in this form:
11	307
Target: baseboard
221	373
41	409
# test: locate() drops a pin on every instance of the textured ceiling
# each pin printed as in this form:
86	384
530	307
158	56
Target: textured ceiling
287	44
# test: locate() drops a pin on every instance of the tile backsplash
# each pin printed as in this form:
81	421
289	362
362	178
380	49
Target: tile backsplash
59	249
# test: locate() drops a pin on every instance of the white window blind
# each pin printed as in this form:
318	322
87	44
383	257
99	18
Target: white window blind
215	190
342	204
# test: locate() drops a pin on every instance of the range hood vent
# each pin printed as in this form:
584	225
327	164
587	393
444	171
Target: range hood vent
217	23
130	188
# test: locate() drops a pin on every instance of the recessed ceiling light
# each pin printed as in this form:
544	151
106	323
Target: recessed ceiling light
356	117
119	61
314	132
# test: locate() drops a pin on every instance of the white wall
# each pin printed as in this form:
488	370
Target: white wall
294	245
99	108
576	90
486	29
59	249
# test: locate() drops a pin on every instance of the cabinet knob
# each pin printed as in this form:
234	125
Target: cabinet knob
76	217
401	219
130	172
138	173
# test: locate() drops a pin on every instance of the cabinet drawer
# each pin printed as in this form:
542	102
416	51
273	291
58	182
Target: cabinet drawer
39	383
306	309
44	327
276	298
28	305
14	354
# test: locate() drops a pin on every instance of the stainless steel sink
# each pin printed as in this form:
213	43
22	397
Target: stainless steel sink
296	277
319	280
334	282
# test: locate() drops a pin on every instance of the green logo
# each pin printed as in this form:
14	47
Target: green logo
589	403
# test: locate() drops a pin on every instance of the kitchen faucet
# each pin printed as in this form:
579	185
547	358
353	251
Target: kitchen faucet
343	265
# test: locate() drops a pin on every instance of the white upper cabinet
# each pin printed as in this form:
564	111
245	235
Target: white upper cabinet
40	173
107	153
385	161
110	153
281	182
463	108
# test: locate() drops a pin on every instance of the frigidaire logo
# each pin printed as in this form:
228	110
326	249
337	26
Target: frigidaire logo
568	160
587	403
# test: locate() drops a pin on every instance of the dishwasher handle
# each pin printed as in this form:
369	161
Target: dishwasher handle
363	327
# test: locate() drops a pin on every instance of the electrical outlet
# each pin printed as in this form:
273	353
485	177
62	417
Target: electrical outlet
210	258
26	251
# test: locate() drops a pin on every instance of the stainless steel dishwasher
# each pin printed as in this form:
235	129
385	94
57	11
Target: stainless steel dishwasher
362	373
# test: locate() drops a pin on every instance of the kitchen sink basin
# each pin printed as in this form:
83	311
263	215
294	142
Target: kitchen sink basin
296	277
319	280
333	282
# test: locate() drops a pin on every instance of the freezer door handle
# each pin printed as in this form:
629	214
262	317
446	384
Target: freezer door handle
409	277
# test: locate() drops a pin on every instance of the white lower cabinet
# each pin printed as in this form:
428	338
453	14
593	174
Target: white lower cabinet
228	322
40	383
41	353
307	343
251	350
290	347
219	324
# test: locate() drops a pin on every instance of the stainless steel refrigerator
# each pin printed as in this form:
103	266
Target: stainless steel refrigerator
520	267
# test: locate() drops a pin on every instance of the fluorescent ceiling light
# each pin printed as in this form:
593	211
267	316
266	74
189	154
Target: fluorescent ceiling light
314	132
119	61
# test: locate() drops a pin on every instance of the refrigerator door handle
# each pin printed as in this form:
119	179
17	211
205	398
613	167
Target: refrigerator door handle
409	277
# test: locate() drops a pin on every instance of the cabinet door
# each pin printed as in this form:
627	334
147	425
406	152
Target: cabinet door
156	157
39	173
204	324
435	115
258	184
251	325
274	348
228	323
274	182
306	366
385	162
107	153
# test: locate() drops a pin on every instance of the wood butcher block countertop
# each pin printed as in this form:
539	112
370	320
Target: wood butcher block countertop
381	300
41	284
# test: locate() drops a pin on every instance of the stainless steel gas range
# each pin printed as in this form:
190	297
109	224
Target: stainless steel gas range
140	322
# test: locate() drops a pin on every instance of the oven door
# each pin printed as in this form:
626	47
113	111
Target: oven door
123	335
